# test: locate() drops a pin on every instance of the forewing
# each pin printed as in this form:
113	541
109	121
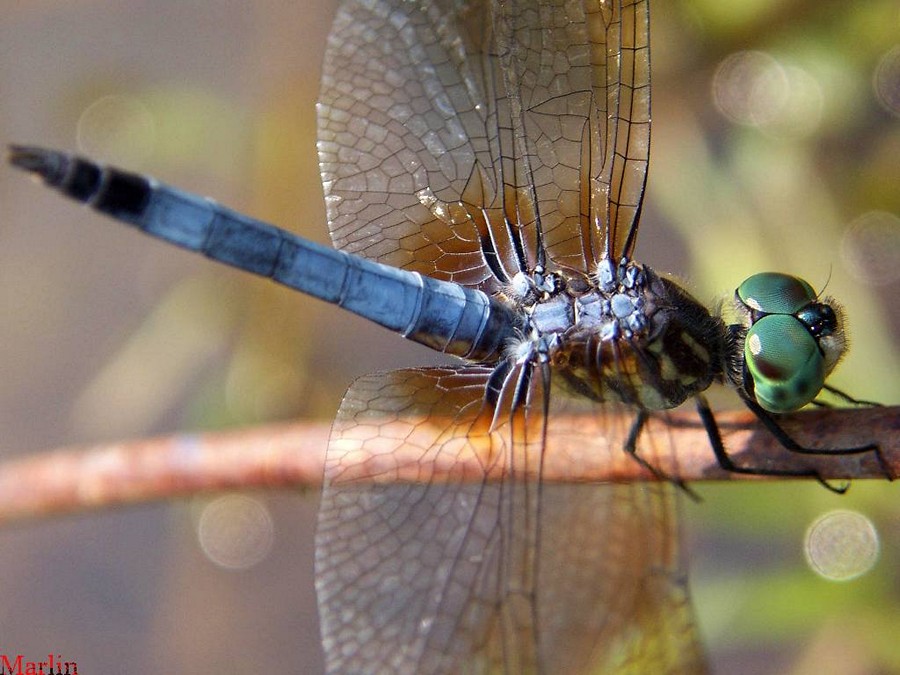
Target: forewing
465	139
626	140
612	592
440	550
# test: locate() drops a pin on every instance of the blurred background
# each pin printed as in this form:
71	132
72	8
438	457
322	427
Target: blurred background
776	145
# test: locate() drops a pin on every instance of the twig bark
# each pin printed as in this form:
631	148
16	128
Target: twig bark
81	479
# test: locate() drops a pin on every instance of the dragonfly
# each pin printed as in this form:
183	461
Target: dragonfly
484	166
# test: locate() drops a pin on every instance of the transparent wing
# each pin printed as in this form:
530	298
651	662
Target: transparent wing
626	142
439	550
465	140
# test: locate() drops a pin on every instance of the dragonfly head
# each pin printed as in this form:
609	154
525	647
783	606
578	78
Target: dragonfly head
794	339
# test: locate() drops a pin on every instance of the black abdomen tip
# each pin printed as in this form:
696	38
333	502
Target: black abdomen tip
49	165
109	190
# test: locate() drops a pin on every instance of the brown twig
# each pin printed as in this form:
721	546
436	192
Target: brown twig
75	480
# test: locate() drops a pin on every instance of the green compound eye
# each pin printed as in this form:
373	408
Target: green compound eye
783	353
784	360
775	293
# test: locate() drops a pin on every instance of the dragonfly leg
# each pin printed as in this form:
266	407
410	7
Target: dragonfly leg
631	448
725	461
846	398
789	443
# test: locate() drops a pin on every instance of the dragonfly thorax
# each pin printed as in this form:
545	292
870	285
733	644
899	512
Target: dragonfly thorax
623	333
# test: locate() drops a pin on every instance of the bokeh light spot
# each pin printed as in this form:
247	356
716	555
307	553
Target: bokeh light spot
886	80
754	89
841	545
117	128
749	87
236	531
870	248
